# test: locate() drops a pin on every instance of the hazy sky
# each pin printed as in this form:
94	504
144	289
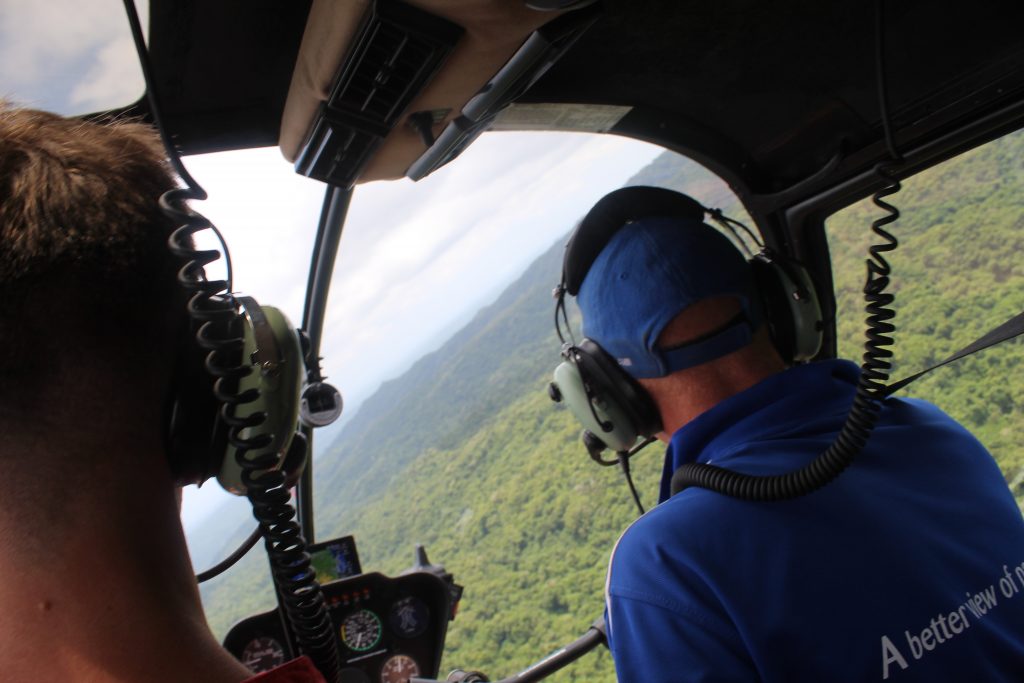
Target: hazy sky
69	56
415	258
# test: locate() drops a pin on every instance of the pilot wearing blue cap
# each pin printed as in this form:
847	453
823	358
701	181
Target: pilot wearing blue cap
662	300
907	566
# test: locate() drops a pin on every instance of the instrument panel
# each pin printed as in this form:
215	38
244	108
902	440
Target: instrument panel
388	629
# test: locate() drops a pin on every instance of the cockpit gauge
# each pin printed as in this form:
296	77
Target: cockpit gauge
361	631
399	669
263	654
384	626
409	617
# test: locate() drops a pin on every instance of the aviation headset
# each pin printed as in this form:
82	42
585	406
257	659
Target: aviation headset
238	394
234	412
267	367
612	406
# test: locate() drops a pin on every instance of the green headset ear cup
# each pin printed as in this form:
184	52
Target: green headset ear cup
279	385
620	434
590	378
791	307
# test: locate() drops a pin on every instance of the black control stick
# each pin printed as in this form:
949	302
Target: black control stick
422	564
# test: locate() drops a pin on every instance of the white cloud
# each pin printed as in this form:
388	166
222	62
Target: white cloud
70	56
113	77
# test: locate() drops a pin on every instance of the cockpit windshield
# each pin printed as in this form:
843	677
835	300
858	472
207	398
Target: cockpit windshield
420	267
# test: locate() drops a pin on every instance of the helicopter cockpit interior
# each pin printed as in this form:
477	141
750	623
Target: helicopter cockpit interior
790	115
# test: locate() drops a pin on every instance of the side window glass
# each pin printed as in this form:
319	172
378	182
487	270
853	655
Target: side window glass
956	275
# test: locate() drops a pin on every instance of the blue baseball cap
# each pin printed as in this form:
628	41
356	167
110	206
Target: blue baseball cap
652	269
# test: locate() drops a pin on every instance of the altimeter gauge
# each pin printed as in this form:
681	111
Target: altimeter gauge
399	669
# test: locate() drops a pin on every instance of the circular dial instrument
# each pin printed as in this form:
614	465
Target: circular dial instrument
409	617
399	669
360	631
263	654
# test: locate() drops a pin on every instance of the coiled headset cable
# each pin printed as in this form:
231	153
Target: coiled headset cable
213	310
871	386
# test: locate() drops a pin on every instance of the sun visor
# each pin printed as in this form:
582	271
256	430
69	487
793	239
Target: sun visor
364	67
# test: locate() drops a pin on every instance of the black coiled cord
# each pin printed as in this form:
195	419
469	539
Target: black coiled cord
300	593
213	310
867	399
875	367
211	306
218	330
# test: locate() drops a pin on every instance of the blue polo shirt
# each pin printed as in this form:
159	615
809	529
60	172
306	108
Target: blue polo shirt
907	567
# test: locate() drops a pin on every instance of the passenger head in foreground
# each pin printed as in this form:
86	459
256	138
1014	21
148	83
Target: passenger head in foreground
95	578
874	576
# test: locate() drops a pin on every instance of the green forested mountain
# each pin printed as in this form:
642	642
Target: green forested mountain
957	273
466	454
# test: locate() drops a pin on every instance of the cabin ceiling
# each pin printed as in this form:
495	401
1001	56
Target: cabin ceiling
767	96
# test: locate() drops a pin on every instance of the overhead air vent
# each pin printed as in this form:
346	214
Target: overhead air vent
542	49
396	51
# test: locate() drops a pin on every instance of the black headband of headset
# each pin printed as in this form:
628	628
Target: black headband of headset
613	211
